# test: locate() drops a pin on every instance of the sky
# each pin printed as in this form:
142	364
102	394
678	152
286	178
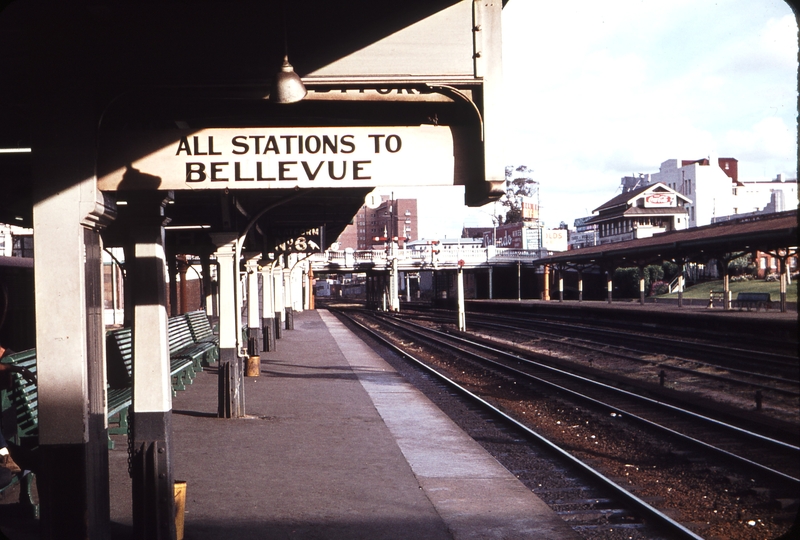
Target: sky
594	91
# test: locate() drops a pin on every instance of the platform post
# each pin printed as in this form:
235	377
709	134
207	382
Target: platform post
277	280
491	277
267	309
151	424
784	276
68	215
610	283
462	321
253	308
560	284
726	287
394	297
231	377
641	284
546	294
580	285
208	293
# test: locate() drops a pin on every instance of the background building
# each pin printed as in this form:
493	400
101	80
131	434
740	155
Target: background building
392	218
640	213
715	190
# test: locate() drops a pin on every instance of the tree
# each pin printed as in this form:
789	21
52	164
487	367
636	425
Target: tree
519	184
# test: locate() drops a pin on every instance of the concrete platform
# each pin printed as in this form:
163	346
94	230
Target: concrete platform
335	445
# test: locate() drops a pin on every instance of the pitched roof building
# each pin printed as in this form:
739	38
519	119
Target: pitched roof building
640	213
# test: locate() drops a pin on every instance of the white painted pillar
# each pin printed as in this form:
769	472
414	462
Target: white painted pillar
208	291
253	307
151	459
70	359
267	309
462	320
394	297
277	280
231	375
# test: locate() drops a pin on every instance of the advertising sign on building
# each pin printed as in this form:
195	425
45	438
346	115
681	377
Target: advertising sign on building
509	236
555	240
530	209
279	158
660	200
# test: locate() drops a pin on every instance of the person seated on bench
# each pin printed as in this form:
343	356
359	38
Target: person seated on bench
8	468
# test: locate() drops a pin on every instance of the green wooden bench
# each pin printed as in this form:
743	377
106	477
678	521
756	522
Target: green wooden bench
182	346
119	360
750	300
22	404
119	352
202	332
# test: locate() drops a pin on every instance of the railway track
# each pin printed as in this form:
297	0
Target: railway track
697	438
776	378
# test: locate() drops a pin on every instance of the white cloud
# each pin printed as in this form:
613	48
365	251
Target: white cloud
596	91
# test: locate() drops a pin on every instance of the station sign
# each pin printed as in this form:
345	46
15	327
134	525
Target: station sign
283	158
297	240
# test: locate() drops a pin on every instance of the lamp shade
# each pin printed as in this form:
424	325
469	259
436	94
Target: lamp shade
287	88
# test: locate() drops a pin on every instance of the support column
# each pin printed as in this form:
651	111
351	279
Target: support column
151	431
172	265
580	285
208	292
560	284
68	213
267	309
462	321
286	275
253	309
784	281
230	402
726	284
610	282
546	293
408	286
310	288
183	290
71	373
394	297
277	280
641	284
491	284
519	281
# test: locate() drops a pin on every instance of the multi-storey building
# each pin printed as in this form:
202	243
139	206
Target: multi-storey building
708	183
393	218
716	192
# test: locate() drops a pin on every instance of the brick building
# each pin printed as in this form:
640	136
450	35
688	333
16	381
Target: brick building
392	218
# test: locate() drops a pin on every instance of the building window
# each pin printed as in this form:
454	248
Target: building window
22	246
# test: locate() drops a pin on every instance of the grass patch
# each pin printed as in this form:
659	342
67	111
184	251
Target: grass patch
772	287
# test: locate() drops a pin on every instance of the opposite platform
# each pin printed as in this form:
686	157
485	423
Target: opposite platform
335	445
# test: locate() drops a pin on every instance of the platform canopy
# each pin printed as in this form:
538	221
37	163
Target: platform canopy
175	96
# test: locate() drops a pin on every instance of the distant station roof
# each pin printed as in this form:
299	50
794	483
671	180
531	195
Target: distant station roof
756	233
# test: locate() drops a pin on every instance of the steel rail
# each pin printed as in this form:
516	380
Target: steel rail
776	360
638	503
661	404
592	345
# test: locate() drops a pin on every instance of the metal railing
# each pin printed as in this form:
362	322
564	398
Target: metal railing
423	258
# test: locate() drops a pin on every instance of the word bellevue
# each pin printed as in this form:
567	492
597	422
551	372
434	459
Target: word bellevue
282	169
